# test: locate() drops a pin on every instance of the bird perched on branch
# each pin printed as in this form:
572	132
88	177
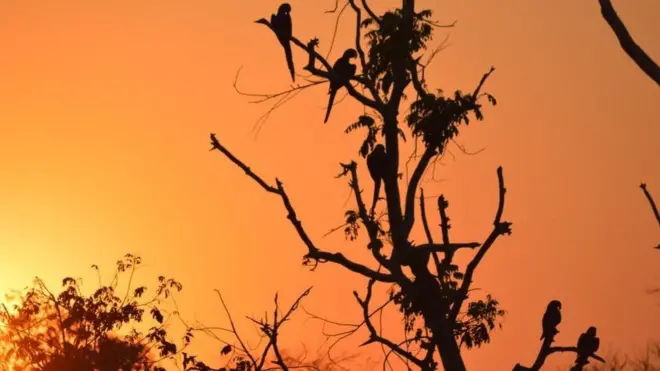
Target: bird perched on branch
345	70
377	163
551	319
283	28
587	345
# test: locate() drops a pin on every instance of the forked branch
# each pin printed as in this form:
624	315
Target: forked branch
654	207
546	350
424	161
313	253
374	337
330	74
499	229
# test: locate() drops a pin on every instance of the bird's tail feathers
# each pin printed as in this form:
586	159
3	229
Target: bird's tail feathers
331	101
289	60
376	194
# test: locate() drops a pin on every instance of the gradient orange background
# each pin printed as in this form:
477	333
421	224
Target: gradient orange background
105	110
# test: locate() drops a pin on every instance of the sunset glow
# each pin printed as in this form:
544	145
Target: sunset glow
105	115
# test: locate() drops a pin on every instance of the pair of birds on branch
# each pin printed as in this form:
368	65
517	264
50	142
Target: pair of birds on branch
588	342
282	26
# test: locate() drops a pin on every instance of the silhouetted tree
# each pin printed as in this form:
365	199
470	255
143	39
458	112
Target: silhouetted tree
634	51
431	291
47	331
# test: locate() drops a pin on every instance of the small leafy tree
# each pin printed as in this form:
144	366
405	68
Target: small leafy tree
46	331
432	293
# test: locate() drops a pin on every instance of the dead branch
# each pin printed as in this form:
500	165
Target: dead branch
500	228
336	28
375	243
546	350
371	13
313	253
374	103
634	51
353	328
373	333
263	97
267	329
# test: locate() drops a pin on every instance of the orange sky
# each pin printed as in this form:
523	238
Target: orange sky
105	110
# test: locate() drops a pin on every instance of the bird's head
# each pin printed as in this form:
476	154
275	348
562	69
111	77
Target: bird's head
591	331
285	8
555	304
350	54
379	148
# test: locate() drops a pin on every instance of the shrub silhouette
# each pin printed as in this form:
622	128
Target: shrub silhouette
69	330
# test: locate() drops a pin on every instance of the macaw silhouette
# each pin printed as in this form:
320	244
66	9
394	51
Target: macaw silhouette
283	28
345	70
587	345
377	163
551	319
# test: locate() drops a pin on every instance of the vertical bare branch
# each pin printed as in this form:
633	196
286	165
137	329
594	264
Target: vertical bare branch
427	230
499	229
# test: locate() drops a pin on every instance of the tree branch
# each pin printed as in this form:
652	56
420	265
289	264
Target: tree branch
634	51
313	253
444	223
653	205
374	337
329	73
500	228
424	162
546	350
375	244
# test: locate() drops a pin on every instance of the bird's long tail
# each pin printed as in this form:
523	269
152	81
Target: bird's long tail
331	101
376	193
289	60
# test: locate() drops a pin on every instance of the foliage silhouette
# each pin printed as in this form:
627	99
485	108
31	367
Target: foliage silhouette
72	331
434	299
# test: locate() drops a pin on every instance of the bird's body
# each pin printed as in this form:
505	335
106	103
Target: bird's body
377	163
587	345
551	319
283	28
345	69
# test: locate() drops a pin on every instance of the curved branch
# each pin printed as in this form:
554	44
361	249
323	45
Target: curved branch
634	51
370	12
653	205
574	350
313	253
374	337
